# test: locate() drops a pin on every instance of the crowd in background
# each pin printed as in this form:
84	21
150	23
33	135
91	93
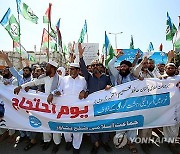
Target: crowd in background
80	81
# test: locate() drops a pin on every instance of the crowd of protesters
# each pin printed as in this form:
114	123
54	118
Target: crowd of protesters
81	80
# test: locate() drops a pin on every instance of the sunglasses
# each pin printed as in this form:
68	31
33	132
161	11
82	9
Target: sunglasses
73	68
93	65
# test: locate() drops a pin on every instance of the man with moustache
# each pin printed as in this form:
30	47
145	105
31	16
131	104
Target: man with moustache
152	68
124	75
51	82
96	81
74	86
171	132
8	79
26	77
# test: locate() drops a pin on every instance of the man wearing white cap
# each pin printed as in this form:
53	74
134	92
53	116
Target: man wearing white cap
51	81
171	132
74	86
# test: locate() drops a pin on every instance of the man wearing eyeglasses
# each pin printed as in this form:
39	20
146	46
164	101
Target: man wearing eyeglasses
96	81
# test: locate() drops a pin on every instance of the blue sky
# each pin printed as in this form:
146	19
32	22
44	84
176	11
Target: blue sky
144	19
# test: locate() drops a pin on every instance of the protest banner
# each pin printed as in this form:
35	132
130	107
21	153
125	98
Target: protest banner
159	57
90	52
129	55
133	105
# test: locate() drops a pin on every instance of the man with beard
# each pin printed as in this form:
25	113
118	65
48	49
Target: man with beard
171	132
51	82
74	86
8	79
95	81
26	77
122	76
161	67
152	68
141	70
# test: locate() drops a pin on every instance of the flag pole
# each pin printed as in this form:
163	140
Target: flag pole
174	59
41	47
48	42
13	53
87	37
19	38
40	56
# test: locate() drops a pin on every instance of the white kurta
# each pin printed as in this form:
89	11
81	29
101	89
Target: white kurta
70	86
171	132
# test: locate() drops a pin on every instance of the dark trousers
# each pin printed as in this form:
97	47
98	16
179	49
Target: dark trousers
99	137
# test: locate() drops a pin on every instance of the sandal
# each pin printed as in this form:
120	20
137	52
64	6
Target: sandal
132	148
29	146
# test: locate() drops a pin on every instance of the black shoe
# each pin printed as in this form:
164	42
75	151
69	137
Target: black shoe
76	151
42	143
46	146
29	146
68	146
55	148
94	150
173	148
106	147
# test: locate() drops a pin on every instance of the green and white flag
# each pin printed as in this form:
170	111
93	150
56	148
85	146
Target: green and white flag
170	30
177	42
31	58
26	12
10	23
83	33
108	49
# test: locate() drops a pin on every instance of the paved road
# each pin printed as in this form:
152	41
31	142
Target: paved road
7	148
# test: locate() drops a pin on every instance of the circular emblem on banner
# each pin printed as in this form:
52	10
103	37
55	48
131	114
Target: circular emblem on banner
34	122
14	29
162	54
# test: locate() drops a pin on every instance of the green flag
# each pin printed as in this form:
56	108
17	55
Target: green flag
10	23
108	49
170	30
177	42
83	33
65	49
29	14
26	12
31	58
109	56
